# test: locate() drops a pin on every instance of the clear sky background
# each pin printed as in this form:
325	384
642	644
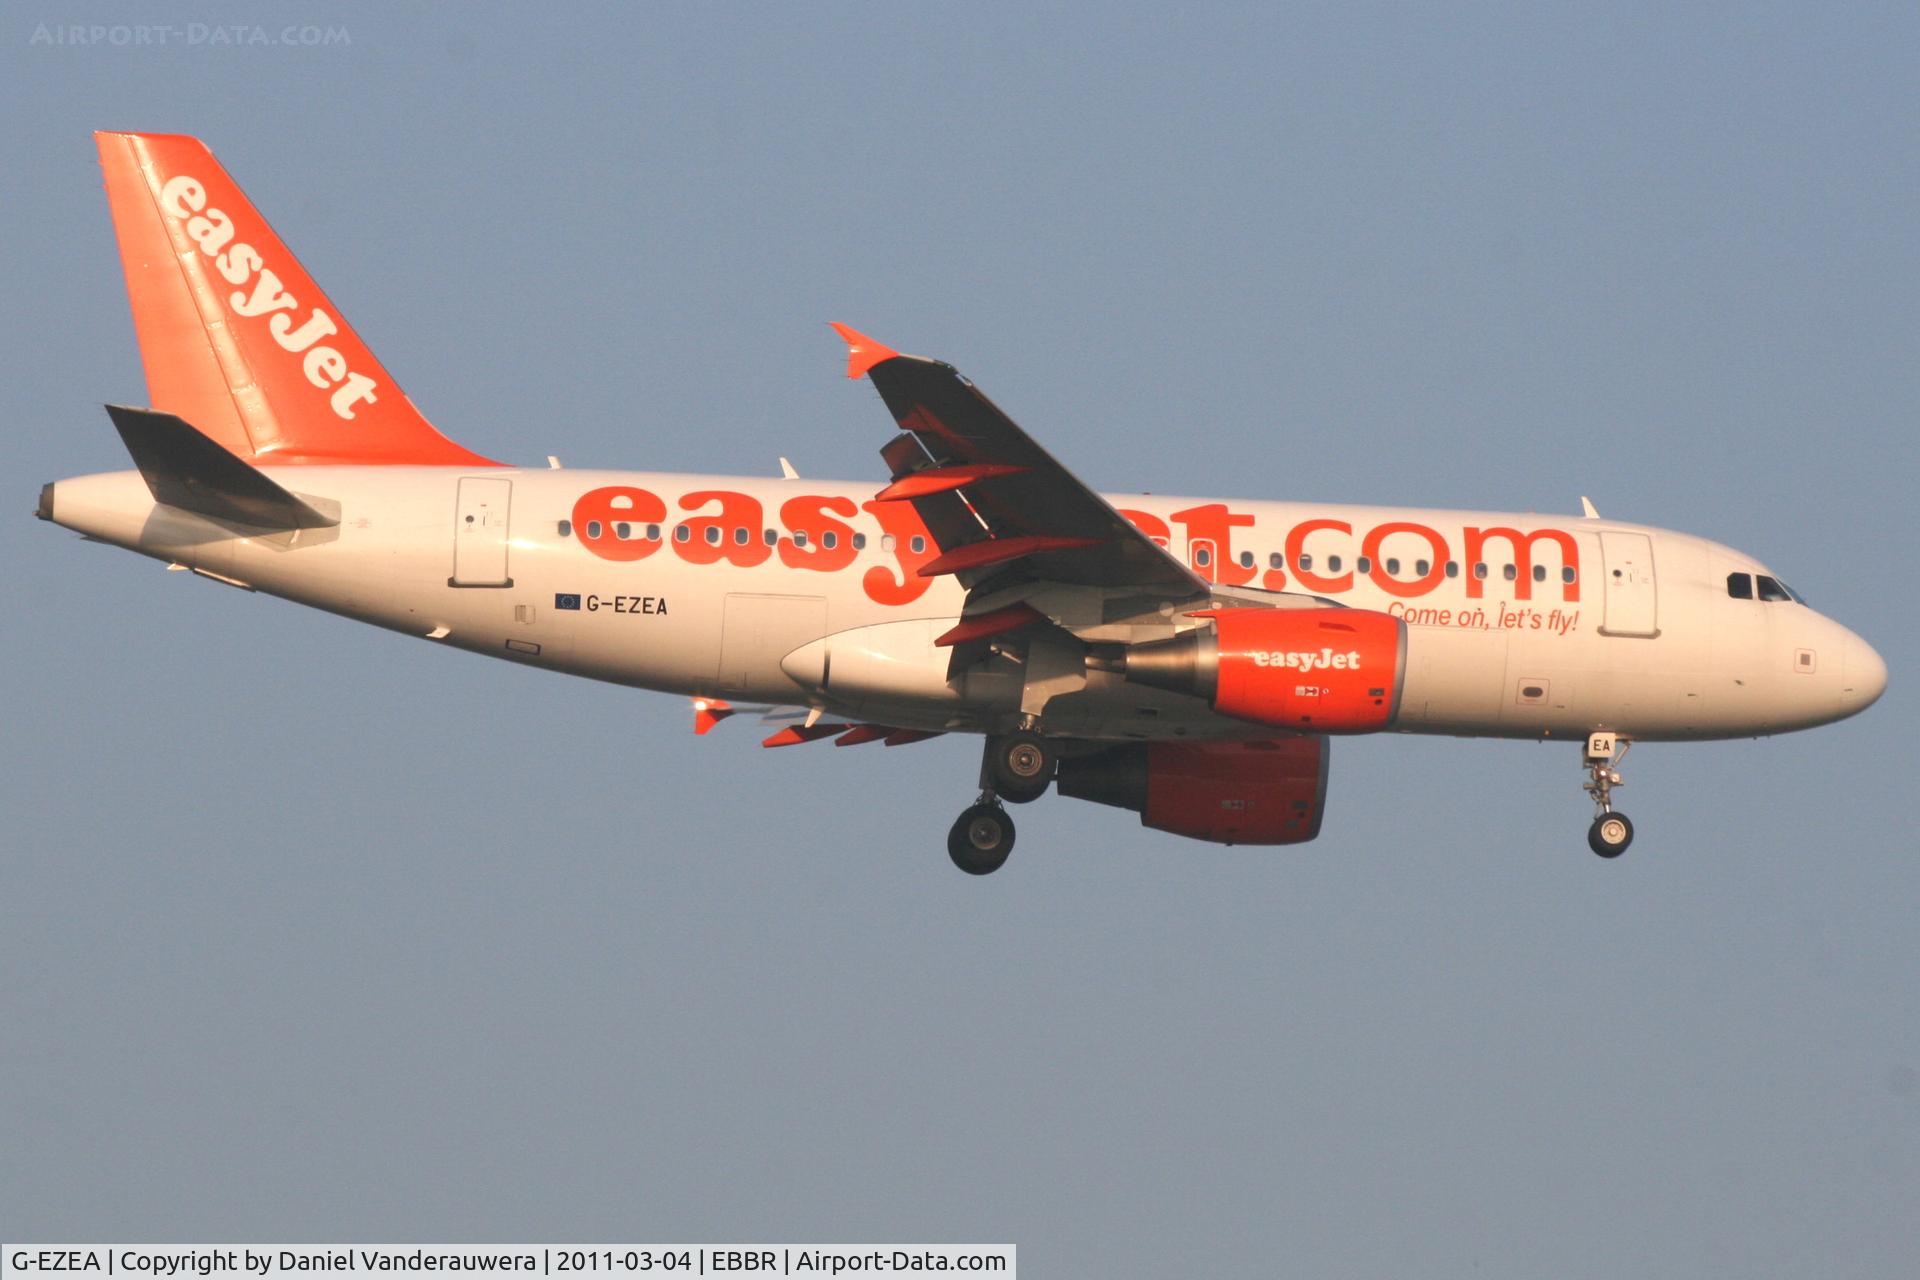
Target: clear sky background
311	931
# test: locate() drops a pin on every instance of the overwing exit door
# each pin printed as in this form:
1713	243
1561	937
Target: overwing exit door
480	533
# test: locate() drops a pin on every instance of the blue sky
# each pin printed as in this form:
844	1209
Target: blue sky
312	932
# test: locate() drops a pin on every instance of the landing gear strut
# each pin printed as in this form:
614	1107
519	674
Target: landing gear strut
1611	832
981	838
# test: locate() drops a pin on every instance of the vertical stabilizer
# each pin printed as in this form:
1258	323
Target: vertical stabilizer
235	336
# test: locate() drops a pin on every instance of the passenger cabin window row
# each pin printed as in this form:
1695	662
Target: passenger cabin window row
714	535
1393	565
1739	585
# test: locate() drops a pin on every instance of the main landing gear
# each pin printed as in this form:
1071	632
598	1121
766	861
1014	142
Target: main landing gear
1611	832
981	838
1017	768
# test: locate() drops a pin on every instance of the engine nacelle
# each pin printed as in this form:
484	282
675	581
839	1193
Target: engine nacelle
1311	670
1226	792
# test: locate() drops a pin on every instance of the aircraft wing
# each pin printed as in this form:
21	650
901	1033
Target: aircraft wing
1000	508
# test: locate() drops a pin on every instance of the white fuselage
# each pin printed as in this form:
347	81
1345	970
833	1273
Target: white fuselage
1519	625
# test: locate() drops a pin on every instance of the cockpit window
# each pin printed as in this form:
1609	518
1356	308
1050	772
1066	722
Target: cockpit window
1771	590
1740	586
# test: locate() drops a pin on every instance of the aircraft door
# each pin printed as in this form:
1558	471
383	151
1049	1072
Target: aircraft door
480	533
1632	604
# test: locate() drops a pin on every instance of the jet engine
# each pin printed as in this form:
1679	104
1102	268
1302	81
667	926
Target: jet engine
1226	792
1309	670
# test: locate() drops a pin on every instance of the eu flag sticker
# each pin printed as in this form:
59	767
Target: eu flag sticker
567	600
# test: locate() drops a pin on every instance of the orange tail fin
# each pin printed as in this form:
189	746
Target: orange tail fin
235	336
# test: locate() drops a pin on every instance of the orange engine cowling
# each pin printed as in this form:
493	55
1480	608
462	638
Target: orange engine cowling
1311	670
1226	792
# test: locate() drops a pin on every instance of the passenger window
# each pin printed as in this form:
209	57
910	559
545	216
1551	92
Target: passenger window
919	544
769	537
653	533
829	540
1276	561
1567	574
1770	590
1509	572
888	542
1393	567
681	533
1453	568
1364	564
740	536
799	537
1202	557
1539	573
1246	559
1740	586
1333	564
593	529
1480	570
1422	568
1306	563
566	528
622	530
859	542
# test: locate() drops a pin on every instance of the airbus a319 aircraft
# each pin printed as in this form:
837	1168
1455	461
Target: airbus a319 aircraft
1190	659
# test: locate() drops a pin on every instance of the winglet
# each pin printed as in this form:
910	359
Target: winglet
708	712
1587	511
862	352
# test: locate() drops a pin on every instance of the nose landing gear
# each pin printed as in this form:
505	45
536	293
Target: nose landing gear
1611	832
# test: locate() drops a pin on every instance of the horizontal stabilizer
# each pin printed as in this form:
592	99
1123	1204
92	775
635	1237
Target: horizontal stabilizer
186	469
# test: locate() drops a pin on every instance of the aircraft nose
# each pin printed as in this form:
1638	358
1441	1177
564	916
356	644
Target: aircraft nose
1864	675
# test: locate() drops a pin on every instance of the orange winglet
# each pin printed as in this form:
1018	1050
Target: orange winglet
862	352
708	712
942	479
901	737
794	734
977	555
862	733
997	622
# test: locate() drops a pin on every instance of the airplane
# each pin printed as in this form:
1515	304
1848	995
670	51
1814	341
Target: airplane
1189	659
